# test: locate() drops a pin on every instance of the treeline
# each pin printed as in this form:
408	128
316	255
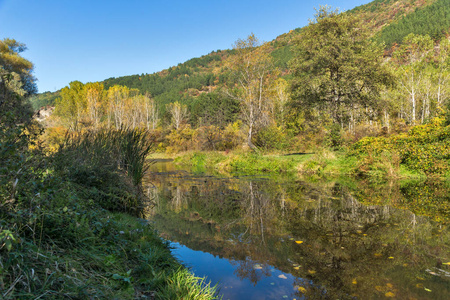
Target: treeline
340	88
432	20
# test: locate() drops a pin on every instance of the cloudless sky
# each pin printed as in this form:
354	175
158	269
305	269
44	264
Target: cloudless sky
92	40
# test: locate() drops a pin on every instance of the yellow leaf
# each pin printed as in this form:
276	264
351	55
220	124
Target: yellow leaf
390	295
447	263
302	290
282	276
299	242
354	281
427	290
379	288
312	272
389	285
419	285
391	257
296	268
378	254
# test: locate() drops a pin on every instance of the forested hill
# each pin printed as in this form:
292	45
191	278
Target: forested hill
192	81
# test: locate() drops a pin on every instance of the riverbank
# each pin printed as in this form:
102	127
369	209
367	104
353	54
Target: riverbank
71	225
323	162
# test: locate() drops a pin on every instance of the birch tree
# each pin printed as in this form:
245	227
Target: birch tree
253	69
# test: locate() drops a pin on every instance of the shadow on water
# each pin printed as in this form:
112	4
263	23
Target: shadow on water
279	238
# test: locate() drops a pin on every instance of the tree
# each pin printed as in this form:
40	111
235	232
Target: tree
336	68
414	78
252	65
178	112
71	106
12	63
95	109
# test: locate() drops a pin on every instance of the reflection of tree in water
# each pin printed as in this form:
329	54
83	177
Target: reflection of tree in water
249	269
343	241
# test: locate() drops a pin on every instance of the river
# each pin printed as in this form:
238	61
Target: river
285	238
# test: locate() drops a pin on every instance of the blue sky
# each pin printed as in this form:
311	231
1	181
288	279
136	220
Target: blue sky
94	40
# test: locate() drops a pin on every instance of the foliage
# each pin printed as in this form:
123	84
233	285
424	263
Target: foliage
336	68
432	20
423	148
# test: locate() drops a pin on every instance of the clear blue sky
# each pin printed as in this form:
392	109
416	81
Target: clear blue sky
94	40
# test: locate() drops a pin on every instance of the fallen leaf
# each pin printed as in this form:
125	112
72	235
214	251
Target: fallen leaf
257	267
378	254
299	242
354	281
312	272
427	290
272	283
282	276
379	288
419	285
389	285
302	290
296	268
390	295
391	257
447	263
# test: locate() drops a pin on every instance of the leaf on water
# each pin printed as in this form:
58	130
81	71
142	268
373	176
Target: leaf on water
296	268
299	242
419	285
354	281
257	267
427	290
389	285
391	257
447	263
285	296
282	276
272	283
291	239
379	288
378	254
312	272
390	295
302	290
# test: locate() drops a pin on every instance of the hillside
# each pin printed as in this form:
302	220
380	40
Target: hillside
193	81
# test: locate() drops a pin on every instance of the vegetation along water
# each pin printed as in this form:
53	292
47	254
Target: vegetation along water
312	166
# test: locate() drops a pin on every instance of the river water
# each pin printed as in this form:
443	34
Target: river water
285	238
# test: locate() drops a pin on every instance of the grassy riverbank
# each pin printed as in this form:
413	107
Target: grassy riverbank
71	226
422	152
324	162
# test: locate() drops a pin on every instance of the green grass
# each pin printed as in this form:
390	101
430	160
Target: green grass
70	229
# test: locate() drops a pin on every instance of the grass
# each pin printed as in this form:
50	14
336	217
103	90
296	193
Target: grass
323	162
70	229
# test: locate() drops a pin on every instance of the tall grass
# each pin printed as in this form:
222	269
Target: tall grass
98	160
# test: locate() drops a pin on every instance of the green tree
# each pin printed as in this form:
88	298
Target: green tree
336	68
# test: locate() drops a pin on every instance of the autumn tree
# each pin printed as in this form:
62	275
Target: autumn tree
253	68
336	67
411	61
178	112
15	65
71	105
95	107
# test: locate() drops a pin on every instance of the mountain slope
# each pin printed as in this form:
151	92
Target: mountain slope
189	82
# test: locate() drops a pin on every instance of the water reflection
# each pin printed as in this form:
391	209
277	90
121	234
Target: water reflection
295	239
